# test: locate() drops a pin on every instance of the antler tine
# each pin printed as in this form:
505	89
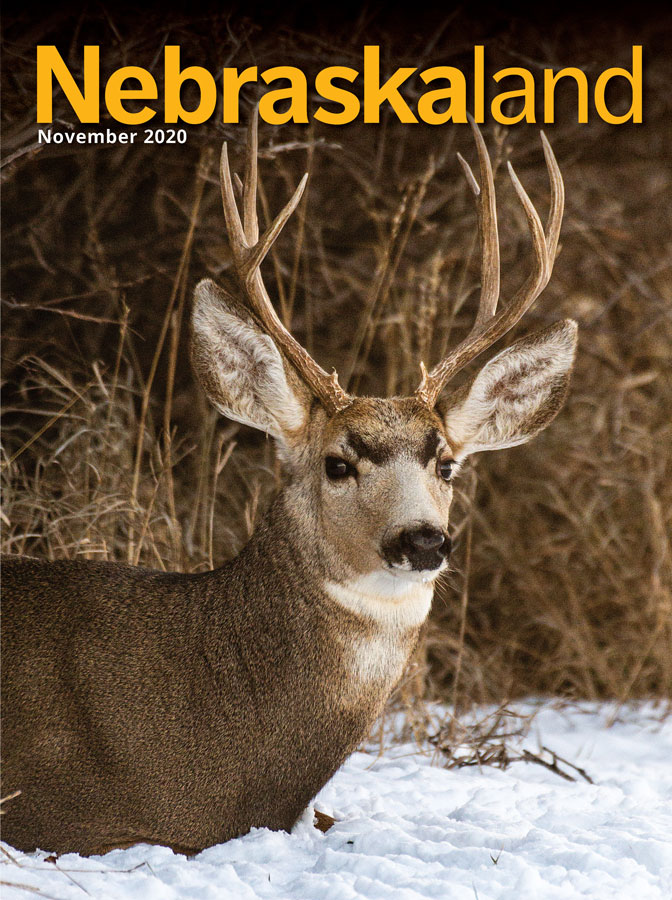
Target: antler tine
491	329
247	248
250	222
486	206
249	251
557	199
264	244
234	227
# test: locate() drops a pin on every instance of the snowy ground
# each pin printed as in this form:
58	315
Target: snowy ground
407	828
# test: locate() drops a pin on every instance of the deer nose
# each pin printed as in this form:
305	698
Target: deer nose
424	538
424	547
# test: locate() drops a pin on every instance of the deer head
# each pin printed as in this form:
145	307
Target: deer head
369	480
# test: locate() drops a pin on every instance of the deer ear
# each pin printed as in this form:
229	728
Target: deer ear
240	367
516	394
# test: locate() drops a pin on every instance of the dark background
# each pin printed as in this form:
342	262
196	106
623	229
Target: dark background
562	567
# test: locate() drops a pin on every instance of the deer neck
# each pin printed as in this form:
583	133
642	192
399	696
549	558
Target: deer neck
290	537
314	627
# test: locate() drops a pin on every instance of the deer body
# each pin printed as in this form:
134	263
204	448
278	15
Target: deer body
201	732
186	709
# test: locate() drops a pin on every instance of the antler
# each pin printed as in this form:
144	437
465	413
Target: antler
491	325
249	251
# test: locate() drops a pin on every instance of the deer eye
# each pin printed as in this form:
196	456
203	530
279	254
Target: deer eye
444	468
337	468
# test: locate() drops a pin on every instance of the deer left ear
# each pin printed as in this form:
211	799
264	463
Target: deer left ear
241	369
515	395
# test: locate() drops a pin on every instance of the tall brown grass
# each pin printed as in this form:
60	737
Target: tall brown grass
562	576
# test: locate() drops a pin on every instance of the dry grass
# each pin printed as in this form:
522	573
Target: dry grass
495	740
563	573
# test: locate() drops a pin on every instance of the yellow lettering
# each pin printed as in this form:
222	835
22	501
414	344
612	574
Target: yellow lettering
232	83
550	81
296	93
375	93
324	85
526	92
115	95
479	84
50	64
455	92
635	79
175	78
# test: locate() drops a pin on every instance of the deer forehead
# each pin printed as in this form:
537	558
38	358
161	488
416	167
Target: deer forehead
377	431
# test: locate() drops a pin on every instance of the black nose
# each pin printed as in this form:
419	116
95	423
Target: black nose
423	539
424	547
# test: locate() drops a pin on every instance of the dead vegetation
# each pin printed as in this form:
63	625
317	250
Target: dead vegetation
495	740
562	575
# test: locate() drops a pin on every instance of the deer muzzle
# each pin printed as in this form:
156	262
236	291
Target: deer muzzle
421	548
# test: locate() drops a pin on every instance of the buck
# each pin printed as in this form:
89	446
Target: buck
184	709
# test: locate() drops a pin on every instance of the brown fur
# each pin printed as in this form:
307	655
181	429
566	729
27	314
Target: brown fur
138	709
186	709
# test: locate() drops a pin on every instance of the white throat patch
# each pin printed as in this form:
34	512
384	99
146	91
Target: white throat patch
393	601
377	659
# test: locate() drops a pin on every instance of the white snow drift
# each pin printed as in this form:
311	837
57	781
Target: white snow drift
408	828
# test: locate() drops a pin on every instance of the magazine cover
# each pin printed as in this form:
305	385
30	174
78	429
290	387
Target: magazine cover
336	367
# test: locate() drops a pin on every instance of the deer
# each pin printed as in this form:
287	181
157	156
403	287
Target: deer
185	709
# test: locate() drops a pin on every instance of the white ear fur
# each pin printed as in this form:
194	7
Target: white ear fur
240	368
516	394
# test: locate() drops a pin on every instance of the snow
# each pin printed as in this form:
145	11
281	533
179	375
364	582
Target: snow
408	828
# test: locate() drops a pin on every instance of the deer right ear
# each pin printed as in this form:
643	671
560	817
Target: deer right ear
514	395
241	369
